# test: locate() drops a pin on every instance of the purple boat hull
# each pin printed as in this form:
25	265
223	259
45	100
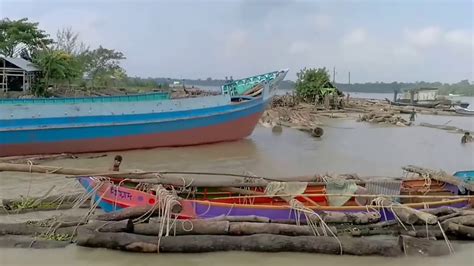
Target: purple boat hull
206	209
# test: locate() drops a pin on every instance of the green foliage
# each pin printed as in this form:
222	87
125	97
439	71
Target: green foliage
313	84
18	35
463	87
140	82
56	66
103	66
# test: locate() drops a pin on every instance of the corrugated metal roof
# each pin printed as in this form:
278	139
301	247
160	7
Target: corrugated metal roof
22	63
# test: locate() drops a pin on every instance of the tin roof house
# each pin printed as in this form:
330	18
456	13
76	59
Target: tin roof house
16	74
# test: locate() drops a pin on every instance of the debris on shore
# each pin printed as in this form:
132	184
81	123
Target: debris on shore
385	118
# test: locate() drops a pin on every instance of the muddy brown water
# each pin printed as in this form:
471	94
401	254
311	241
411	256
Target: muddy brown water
346	147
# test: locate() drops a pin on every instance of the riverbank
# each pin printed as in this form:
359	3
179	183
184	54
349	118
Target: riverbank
287	111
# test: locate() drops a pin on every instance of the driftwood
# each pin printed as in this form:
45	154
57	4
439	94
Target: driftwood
259	242
111	226
464	220
248	218
438	175
34	158
461	230
27	229
424	247
355	218
205	227
409	215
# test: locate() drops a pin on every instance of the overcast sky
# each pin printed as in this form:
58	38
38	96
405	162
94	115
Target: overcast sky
377	40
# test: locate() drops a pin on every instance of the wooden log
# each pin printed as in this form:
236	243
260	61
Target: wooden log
21	241
186	227
438	175
21	229
463	220
461	230
111	226
165	177
355	218
444	210
248	218
33	159
259	242
409	215
206	227
245	228
424	247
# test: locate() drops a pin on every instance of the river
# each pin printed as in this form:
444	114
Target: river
346	147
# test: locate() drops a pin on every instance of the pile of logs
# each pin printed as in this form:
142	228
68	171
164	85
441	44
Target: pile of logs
384	117
301	118
119	230
286	100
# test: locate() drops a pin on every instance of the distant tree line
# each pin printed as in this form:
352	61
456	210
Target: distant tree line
463	87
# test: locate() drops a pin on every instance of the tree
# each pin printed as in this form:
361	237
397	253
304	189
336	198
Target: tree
313	84
103	65
20	35
56	66
68	41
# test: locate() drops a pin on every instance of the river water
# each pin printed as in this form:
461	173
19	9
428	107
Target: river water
346	147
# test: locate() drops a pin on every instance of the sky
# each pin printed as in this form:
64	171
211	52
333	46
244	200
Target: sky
376	40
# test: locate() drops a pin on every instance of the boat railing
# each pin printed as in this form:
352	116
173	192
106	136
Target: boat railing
238	87
100	99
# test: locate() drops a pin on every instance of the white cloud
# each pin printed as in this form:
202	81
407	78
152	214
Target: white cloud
320	21
299	47
236	41
459	38
357	36
405	51
425	37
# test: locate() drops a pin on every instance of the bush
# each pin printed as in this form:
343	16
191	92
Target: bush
313	84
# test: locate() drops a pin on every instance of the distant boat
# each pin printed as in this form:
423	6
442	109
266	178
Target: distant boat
463	111
454	95
425	104
95	124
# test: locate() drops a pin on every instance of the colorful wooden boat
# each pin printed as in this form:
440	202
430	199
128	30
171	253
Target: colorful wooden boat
86	126
466	176
112	197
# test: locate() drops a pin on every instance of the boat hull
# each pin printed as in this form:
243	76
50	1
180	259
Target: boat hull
227	131
463	111
223	123
209	209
